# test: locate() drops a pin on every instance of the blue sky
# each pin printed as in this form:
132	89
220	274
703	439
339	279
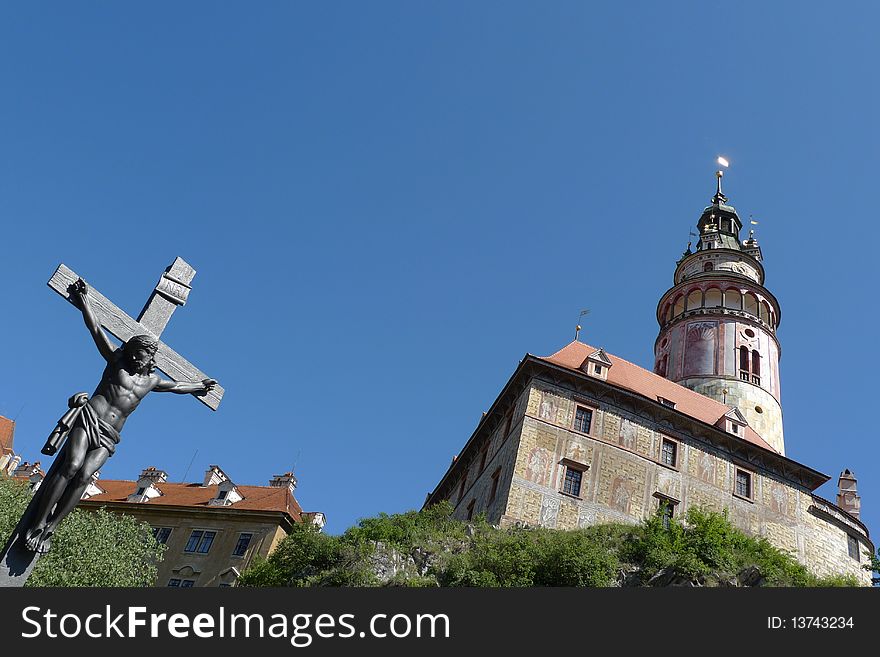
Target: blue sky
389	204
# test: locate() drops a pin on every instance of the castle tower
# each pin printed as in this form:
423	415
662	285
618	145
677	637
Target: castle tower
718	323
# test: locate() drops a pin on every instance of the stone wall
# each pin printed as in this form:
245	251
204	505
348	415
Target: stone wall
501	453
624	479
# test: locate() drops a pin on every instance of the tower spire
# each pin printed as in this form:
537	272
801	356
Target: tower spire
719	197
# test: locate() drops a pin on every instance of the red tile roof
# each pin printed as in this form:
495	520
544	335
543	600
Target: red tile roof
256	498
7	429
639	380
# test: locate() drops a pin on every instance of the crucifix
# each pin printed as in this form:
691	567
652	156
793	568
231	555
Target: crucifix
90	430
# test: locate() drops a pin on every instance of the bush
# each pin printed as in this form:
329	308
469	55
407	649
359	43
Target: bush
705	548
90	548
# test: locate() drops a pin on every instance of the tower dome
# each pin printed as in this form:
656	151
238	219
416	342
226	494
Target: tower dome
718	322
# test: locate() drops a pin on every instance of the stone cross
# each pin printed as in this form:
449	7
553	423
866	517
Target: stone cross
171	291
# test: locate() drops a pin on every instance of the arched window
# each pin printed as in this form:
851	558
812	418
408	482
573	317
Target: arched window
733	299
708	267
756	364
725	225
750	304
694	300
765	312
679	306
668	312
744	363
713	298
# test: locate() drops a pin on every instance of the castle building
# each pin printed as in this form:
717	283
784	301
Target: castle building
583	437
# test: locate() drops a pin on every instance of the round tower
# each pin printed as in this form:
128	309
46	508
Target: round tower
718	323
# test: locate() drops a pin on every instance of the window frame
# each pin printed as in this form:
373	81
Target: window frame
751	475
665	501
856	553
677	445
496	478
197	546
235	552
593	413
574	466
158	530
484	455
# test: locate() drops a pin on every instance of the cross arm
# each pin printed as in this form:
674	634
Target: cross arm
123	327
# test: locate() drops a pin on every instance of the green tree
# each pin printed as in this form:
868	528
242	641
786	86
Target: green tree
90	548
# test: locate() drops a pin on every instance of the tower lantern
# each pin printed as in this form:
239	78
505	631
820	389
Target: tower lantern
718	322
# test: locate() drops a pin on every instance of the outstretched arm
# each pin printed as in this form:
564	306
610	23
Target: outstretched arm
185	387
79	293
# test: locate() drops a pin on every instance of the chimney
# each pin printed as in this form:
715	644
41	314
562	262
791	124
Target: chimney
154	475
280	481
214	475
12	466
847	496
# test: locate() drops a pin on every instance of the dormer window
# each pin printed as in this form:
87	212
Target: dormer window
146	490
597	364
734	422
227	494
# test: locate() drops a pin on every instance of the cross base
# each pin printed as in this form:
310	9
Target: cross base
17	562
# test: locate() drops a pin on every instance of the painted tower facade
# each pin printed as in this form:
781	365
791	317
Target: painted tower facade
718	323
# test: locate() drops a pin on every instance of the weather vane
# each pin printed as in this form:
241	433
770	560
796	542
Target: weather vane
719	195
577	330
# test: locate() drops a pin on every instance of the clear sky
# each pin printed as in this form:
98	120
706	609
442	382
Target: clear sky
390	203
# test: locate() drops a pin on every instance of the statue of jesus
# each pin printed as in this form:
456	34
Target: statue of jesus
92	425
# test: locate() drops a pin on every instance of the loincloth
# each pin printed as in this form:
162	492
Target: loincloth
98	432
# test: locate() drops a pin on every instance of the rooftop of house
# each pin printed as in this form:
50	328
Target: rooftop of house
277	497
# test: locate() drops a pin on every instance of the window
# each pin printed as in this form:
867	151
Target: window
744	363
223	494
507	424
187	583
661	368
200	541
663	400
743	484
707	266
483	453
470	509
161	534
852	546
756	368
140	491
669	452
495	477
572	483
173	582
583	419
597	369
244	540
734	427
667	510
